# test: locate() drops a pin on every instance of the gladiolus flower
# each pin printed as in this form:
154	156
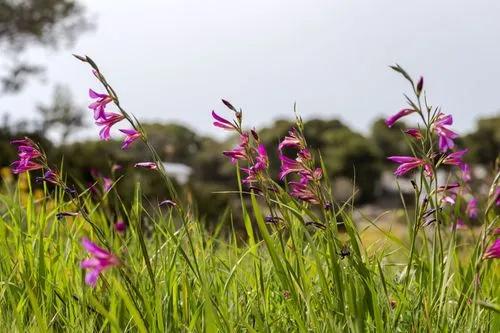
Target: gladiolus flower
392	119
239	152
261	161
146	165
493	252
420	85
291	141
261	164
455	158
23	166
131	136
100	260
100	105
107	183
472	210
26	152
460	225
445	135
409	163
120	226
49	177
302	191
222	122
107	123
168	203
414	132
288	166
466	172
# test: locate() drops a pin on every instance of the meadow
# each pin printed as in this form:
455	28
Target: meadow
80	259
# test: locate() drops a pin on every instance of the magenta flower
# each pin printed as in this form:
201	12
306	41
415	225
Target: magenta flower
472	210
100	260
23	166
460	225
455	158
239	152
493	252
120	226
261	164
131	136
414	132
394	118
107	183
288	166
291	141
466	172
99	105
261	160
49	177
222	122
302	191
107	122
409	163
446	136
146	165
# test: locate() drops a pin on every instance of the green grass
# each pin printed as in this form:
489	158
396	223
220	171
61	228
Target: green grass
185	278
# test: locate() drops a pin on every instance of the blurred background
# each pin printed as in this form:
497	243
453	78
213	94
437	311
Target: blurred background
172	61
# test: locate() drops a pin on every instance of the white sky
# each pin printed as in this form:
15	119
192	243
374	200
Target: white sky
174	60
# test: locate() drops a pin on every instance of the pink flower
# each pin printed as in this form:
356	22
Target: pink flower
291	141
107	122
100	260
461	225
146	165
261	164
472	210
239	152
27	151
288	166
131	136
455	158
493	252
445	135
402	113
107	184
261	160
466	172
414	132
301	190
409	163
222	122
49	177
120	226
23	166
99	105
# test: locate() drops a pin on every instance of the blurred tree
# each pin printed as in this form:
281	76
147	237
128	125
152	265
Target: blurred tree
389	141
61	113
484	142
26	23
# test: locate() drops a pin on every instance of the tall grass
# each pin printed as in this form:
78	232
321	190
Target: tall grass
287	276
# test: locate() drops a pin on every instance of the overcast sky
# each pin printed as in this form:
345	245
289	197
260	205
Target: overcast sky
174	60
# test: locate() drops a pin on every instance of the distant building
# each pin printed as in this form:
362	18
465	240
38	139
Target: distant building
180	172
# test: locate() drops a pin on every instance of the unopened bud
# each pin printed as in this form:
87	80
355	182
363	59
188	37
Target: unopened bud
229	105
420	85
254	134
79	57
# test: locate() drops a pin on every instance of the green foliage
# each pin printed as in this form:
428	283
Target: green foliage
186	278
484	142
